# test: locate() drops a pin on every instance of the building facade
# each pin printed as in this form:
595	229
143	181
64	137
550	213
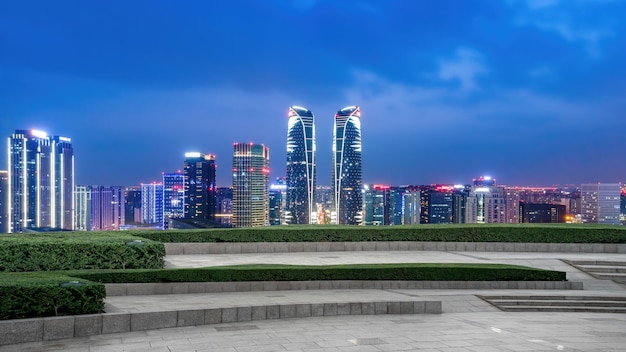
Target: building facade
106	208
251	171
200	189
301	174
41	181
599	203
152	204
132	206
542	213
347	167
82	201
173	197
486	202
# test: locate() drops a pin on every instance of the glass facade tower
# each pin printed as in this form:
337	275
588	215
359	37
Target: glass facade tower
300	167
173	197
200	191
41	181
251	174
347	168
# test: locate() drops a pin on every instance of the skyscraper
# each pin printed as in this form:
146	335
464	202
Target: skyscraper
82	201
486	202
173	197
199	186
347	168
106	208
151	204
41	181
600	203
300	167
251	171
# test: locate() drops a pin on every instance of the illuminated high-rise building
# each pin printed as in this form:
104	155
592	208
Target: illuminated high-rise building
251	171
200	190
41	181
600	203
300	167
82	201
152	204
106	208
4	199
486	202
347	168
132	205
173	197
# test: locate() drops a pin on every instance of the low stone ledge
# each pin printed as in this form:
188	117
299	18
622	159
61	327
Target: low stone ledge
209	287
296	247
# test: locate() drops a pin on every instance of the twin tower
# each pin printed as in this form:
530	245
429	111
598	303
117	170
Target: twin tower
346	171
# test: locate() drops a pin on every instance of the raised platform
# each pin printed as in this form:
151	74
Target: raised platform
290	247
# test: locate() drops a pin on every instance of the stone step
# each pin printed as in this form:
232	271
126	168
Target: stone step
597	262
559	303
529	303
603	269
561	298
562	309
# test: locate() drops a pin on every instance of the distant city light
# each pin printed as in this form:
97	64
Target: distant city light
193	155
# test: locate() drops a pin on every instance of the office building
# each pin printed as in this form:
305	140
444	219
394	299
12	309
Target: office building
486	202
376	205
4	200
106	207
41	181
347	167
600	203
278	202
440	205
200	187
173	197
152	204
82	201
251	170
512	206
396	205
622	207
300	175
224	213
459	203
542	213
412	206
132	206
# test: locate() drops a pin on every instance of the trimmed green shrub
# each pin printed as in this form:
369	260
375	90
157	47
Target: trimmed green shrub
65	251
419	271
30	295
523	233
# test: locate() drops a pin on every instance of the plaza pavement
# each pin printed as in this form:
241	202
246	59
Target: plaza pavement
467	324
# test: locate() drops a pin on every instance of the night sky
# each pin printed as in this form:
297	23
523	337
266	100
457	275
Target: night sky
530	92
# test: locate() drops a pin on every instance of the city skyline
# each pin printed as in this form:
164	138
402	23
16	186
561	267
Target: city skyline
527	91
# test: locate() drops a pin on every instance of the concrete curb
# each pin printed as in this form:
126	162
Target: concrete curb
292	247
54	328
133	289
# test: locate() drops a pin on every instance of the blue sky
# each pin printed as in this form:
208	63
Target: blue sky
531	92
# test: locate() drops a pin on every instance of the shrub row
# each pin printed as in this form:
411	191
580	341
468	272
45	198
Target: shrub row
568	233
30	295
66	251
421	271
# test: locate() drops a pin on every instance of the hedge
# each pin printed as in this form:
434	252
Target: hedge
413	271
30	295
522	233
66	251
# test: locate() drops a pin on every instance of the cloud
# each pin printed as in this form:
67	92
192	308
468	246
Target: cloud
570	20
464	67
421	107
